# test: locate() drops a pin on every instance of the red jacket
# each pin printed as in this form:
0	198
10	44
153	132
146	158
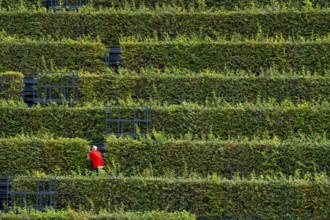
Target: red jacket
96	158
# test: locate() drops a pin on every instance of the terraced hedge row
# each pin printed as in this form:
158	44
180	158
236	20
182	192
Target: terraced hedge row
224	158
112	24
227	4
251	55
11	85
71	214
20	155
203	197
28	55
177	86
224	121
198	88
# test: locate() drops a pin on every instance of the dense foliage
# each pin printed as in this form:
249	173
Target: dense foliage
110	25
240	198
239	95
186	4
196	54
30	55
222	120
11	85
225	158
22	155
214	4
176	87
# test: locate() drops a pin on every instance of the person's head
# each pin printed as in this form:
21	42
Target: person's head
94	148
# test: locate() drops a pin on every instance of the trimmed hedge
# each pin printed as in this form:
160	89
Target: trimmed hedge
71	214
266	199
224	121
112	24
197	55
175	89
11	85
28	56
224	158
227	4
20	155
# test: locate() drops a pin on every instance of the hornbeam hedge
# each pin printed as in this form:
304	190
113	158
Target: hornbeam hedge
29	55
229	4
71	214
110	25
251	55
200	88
177	86
11	85
214	197
224	158
223	120
208	4
20	155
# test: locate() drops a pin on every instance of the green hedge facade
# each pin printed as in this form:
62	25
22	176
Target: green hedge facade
197	88
313	56
20	155
11	85
272	199
28	56
224	158
111	25
207	4
226	121
226	4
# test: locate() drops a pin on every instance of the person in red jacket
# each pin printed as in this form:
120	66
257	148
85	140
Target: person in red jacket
96	157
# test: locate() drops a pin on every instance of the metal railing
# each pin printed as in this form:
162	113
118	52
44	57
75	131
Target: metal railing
128	121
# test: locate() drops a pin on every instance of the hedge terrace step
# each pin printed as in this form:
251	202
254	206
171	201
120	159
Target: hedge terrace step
222	120
161	156
46	155
212	4
175	87
213	197
178	86
30	55
178	157
244	55
204	5
111	25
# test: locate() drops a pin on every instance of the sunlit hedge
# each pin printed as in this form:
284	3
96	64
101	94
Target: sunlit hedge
266	198
222	120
